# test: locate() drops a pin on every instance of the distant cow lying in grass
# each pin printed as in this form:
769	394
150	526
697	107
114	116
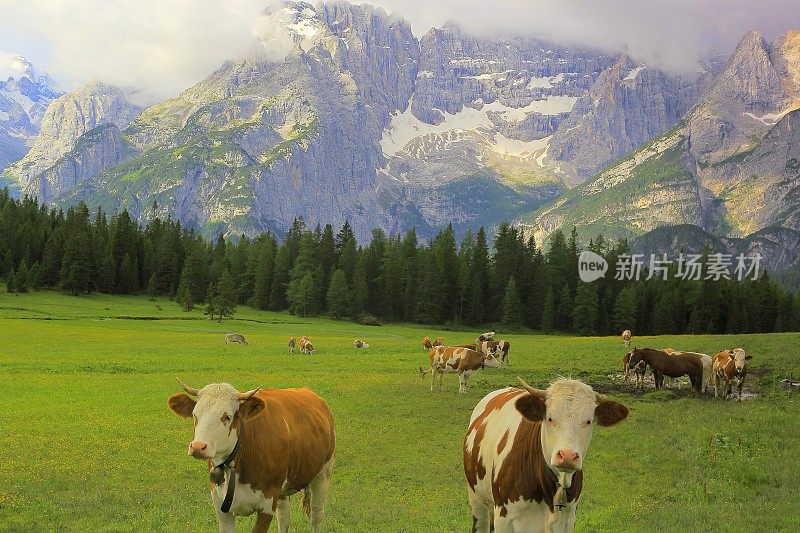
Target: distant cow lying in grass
235	338
462	360
730	366
360	344
674	366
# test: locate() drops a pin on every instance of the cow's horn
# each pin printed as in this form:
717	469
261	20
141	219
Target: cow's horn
534	392
247	395
187	388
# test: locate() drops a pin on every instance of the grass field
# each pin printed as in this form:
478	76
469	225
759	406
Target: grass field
89	444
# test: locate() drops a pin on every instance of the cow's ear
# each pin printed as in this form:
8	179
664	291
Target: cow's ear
609	412
531	407
181	404
748	357
253	406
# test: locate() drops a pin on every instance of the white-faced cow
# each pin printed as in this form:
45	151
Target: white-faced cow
462	360
262	447
497	348
360	344
291	344
730	366
626	337
235	338
524	453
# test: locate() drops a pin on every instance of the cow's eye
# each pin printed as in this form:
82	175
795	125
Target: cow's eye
588	422
226	418
549	418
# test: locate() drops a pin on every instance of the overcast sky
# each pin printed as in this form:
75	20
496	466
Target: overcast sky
163	46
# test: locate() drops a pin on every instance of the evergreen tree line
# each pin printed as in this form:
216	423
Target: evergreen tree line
503	278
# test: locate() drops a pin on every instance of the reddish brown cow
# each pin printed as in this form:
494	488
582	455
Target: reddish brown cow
674	366
730	366
426	343
438	341
261	446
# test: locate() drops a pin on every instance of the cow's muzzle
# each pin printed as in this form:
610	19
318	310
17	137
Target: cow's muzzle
567	460
198	449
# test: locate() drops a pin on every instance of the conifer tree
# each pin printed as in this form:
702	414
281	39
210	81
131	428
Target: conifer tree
585	316
338	297
512	306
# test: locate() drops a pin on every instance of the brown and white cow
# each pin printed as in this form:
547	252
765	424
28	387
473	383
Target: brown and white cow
626	337
638	370
497	348
488	336
360	344
524	453
438	341
426	343
664	364
291	344
730	366
462	360
272	443
305	345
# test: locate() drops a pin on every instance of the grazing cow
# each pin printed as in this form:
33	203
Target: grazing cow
291	344
235	338
730	366
638	370
426	343
360	344
663	364
438	341
307	347
494	347
524	452
462	360
488	336
262	447
626	337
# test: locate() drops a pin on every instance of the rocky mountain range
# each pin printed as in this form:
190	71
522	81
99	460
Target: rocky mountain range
25	94
364	121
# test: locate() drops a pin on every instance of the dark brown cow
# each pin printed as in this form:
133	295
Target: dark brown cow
730	366
272	443
524	452
462	360
663	364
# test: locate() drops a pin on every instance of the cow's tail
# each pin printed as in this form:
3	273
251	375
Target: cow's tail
307	502
422	373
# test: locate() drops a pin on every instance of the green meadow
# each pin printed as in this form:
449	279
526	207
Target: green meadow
89	444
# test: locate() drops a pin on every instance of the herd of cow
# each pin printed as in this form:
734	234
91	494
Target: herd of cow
523	451
728	367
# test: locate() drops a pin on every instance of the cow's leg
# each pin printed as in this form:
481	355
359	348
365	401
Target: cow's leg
263	521
227	521
318	489
481	514
441	381
716	385
658	377
462	382
284	508
434	371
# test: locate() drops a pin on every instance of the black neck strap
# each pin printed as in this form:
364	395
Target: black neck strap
226	465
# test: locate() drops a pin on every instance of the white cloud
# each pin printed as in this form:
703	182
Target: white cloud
158	47
161	47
